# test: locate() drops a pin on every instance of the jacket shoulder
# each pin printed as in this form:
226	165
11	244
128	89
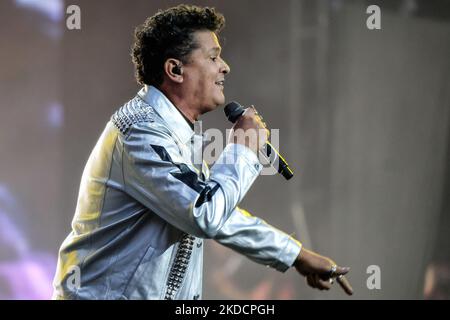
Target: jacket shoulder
134	112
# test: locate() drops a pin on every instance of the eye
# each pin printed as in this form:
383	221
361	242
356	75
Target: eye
214	59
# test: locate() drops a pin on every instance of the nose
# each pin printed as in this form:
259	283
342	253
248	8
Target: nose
225	67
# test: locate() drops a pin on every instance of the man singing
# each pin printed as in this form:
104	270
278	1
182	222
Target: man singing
145	206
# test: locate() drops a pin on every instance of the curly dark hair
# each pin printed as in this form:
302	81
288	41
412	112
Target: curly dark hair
169	34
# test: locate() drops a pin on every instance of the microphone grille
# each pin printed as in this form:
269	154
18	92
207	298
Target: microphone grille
233	111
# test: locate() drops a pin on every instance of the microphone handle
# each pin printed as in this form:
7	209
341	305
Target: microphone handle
283	166
233	111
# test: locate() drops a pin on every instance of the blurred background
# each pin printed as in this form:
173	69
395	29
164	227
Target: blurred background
363	116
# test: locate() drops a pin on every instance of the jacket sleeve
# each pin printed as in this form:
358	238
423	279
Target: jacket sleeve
156	174
259	241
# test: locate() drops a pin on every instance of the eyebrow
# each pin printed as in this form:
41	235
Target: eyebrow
215	50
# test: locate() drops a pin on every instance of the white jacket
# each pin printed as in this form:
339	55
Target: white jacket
144	208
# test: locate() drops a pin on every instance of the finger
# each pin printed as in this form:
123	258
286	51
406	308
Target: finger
330	273
327	271
260	123
342	270
343	282
257	113
322	284
317	284
250	111
310	281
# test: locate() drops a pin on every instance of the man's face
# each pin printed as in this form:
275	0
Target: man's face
204	73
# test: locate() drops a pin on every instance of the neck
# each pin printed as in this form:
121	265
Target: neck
189	112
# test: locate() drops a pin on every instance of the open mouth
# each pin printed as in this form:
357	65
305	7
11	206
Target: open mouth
220	83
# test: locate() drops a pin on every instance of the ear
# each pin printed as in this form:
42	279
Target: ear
173	69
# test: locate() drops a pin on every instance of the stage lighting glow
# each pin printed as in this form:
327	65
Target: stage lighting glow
52	9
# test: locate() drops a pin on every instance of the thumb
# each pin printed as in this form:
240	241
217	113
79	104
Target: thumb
342	270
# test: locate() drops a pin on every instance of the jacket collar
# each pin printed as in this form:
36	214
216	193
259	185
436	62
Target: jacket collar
168	112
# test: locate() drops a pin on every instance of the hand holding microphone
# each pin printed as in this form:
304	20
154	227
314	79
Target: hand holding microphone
251	131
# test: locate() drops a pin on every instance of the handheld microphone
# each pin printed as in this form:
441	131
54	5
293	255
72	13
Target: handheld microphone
233	111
